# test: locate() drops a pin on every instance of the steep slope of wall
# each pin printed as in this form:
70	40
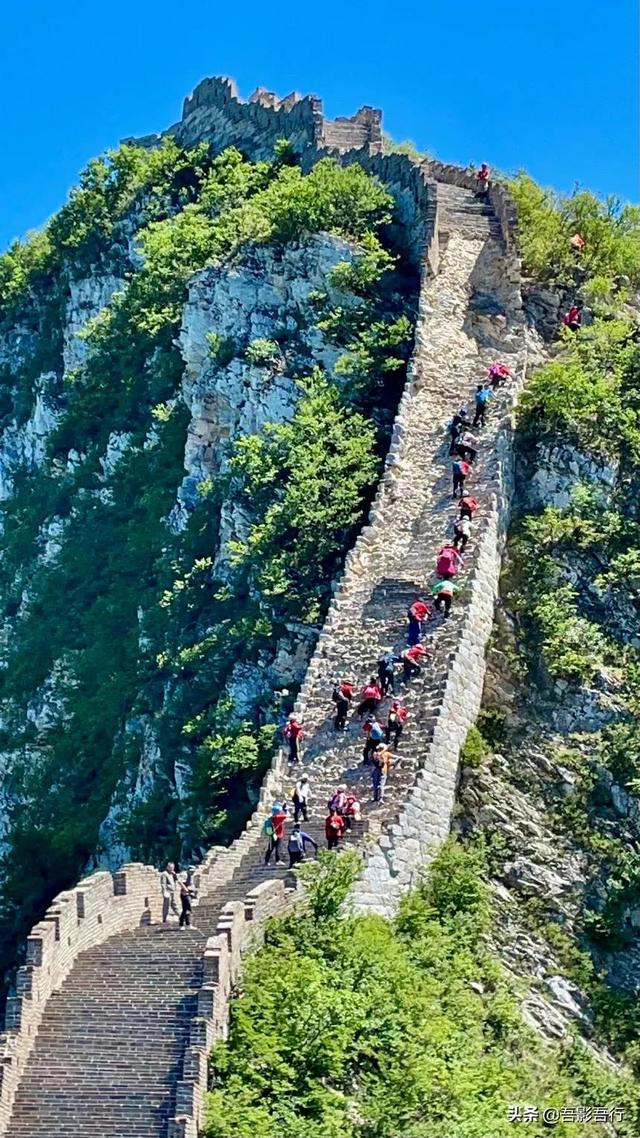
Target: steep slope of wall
470	313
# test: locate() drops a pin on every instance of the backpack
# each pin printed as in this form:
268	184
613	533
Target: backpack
376	732
446	563
267	828
296	842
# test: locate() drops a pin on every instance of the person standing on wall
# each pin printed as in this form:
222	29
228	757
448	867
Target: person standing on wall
169	888
386	671
380	766
483	395
334	827
374	734
461	532
483	179
412	660
396	720
449	561
300	799
274	831
342	695
293	733
370	698
468	505
185	904
457	426
443	593
417	614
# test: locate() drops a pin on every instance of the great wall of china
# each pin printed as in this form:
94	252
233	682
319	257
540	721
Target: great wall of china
114	1013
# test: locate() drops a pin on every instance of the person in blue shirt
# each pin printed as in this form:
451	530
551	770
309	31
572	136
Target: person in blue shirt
297	845
483	395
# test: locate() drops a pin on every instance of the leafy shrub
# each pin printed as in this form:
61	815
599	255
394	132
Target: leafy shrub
262	352
307	482
547	221
475	749
221	349
389	1029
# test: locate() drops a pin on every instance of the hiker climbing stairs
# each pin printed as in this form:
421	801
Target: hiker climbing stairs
107	1058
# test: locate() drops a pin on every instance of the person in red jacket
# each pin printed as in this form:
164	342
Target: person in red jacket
342	695
449	561
370	698
351	812
293	733
334	827
395	722
483	178
417	614
274	829
412	660
498	373
468	505
573	318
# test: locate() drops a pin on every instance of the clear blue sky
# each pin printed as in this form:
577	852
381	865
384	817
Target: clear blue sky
542	84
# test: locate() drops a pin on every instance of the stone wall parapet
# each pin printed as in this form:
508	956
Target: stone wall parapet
241	927
99	907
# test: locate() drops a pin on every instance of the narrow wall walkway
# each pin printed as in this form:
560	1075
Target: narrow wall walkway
108	1057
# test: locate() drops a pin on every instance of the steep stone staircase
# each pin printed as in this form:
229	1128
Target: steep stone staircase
107	1057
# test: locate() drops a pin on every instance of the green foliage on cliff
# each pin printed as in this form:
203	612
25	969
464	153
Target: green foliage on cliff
304	482
357	1026
587	402
572	581
547	222
121	644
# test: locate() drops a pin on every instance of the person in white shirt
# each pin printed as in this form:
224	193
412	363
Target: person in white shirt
168	887
301	799
461	533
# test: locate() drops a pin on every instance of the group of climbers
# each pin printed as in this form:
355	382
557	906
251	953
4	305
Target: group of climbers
343	809
383	732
